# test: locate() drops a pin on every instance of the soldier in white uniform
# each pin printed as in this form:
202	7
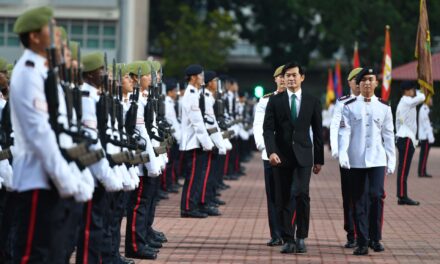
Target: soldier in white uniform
406	129
334	145
274	226
195	143
426	137
366	147
42	177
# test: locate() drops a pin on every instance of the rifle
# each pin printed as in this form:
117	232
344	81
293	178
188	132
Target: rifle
151	108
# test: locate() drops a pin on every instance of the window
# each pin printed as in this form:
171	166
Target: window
7	35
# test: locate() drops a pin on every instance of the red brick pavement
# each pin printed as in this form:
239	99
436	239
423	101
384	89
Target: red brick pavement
411	234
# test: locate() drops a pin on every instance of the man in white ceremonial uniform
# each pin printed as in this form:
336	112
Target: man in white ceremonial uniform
334	145
426	137
260	110
366	147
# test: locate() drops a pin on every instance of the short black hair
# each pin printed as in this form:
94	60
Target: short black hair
24	38
291	65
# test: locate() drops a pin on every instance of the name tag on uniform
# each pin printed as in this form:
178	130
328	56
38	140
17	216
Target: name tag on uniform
40	105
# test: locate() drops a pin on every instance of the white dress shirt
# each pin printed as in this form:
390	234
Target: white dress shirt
406	116
425	127
335	123
297	99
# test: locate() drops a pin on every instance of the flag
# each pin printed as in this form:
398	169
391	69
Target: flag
423	52
356	61
387	66
338	81
330	95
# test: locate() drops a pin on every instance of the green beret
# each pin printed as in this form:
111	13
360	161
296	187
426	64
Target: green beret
92	61
10	67
73	46
3	65
354	73
63	33
33	20
144	65
278	71
156	65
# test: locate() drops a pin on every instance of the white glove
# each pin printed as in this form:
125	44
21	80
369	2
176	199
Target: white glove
67	183
128	183
335	154
343	161
86	186
222	151
228	144
111	181
134	175
431	140
6	174
389	171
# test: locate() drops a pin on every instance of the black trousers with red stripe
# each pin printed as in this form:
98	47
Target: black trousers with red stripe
169	176
195	165
347	204
135	235
406	152
368	194
425	146
292	200
93	237
40	227
6	225
152	187
209	179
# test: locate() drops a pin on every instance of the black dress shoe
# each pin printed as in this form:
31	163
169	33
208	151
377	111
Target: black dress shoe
360	251
218	201
211	211
350	244
153	243
173	189
274	242
407	201
193	214
376	246
124	260
301	246
288	247
162	195
158	236
144	254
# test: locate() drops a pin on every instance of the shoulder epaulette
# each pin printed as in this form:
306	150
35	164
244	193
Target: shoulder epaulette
267	95
85	93
350	101
192	91
383	101
345	97
29	63
207	94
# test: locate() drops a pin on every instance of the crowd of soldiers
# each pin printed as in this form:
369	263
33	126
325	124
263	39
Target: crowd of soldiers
85	143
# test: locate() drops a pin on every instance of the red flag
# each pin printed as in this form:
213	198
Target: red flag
330	96
338	80
387	66
356	61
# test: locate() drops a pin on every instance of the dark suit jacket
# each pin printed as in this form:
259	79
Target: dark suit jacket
289	140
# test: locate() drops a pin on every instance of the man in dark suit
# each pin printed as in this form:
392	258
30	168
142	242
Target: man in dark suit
289	116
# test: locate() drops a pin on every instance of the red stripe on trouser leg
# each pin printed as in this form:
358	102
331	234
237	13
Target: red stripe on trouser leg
133	221
87	232
423	172
31	228
193	171
294	217
206	177
403	168
225	168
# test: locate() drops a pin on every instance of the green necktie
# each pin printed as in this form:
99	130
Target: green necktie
293	107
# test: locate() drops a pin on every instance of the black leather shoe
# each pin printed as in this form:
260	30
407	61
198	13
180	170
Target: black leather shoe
218	201
274	242
158	236
211	211
153	243
360	251
350	244
173	189
193	214
288	247
162	195
376	246
407	201
144	254
301	246
124	260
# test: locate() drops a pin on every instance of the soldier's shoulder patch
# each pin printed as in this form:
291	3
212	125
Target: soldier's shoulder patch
383	101
29	63
85	93
192	91
267	95
345	97
350	101
206	94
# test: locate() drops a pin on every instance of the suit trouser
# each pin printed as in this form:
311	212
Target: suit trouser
135	234
170	173
41	232
406	152
368	196
196	162
293	200
152	187
215	177
347	204
208	179
423	159
6	224
231	158
269	183
93	236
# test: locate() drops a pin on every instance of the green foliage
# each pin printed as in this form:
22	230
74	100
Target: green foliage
191	39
